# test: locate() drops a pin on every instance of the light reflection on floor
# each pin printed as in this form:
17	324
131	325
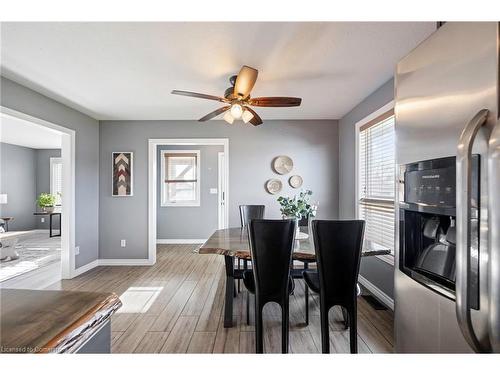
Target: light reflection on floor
138	299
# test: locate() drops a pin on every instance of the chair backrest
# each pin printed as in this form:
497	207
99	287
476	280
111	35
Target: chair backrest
338	246
249	212
271	247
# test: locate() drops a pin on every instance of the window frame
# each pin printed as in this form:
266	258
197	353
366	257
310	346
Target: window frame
164	190
389	258
52	161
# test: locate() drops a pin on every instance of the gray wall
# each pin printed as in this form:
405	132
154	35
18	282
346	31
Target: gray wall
171	221
24	100
43	179
17	180
375	270
313	145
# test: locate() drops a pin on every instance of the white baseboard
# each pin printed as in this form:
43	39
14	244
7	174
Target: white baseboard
125	262
384	298
179	241
85	268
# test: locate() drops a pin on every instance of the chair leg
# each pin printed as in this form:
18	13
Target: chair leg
307	304
306	293
325	337
353	329
239	267
285	323
259	339
248	308
345	316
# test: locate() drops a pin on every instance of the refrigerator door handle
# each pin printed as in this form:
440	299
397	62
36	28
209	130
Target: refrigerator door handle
494	237
463	252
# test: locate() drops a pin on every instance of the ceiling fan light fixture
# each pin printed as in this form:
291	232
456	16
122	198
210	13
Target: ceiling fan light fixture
236	111
246	116
228	117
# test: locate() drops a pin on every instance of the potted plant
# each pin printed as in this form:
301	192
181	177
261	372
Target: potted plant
46	202
297	207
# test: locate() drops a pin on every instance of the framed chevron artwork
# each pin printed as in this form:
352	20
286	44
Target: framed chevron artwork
122	174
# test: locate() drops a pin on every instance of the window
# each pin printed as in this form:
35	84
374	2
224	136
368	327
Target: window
376	179
181	178
56	179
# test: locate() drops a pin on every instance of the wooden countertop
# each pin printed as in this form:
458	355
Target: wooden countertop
47	321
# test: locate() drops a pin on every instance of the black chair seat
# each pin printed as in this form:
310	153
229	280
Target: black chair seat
249	282
312	280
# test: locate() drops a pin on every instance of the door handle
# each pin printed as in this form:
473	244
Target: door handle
494	237
463	252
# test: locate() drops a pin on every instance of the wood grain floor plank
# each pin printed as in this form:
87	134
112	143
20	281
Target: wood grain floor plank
133	335
247	342
185	312
152	342
202	342
180	336
167	318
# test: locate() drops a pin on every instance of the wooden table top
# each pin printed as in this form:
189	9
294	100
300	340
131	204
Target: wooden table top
51	321
234	242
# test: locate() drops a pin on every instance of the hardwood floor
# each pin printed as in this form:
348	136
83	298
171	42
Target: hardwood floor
176	306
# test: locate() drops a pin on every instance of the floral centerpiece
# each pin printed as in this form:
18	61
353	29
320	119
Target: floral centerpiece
298	206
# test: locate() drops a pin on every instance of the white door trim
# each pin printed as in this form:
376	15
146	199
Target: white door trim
221	192
153	144
68	269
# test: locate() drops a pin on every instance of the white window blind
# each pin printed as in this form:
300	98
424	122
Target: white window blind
181	183
56	179
376	169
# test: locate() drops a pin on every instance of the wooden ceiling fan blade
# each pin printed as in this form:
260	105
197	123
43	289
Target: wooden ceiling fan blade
198	95
245	81
275	101
215	113
256	120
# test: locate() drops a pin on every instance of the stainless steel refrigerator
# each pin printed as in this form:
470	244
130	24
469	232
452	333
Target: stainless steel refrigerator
447	266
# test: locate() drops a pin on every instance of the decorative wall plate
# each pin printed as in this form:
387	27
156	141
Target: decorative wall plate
273	186
295	181
282	164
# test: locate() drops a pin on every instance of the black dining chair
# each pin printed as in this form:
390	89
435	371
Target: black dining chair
338	246
271	247
248	212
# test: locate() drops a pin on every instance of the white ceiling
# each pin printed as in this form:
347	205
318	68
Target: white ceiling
24	133
127	70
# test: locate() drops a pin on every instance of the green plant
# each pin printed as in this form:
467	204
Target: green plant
46	200
297	206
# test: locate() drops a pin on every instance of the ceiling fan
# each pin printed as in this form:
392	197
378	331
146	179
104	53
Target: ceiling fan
238	101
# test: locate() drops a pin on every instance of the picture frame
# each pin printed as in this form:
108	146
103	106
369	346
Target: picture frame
122	182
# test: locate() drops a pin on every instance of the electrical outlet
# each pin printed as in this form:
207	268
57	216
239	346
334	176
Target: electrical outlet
42	219
77	250
213	190
123	243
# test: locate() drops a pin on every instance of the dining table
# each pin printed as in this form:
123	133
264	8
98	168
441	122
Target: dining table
233	243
